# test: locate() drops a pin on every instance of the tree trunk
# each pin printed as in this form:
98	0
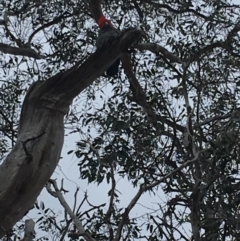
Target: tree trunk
35	156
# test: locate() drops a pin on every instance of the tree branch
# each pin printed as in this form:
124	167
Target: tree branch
143	188
219	44
63	202
176	11
29	233
95	9
43	111
54	21
212	119
28	52
138	92
156	48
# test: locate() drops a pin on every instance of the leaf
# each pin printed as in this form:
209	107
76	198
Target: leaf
42	206
69	152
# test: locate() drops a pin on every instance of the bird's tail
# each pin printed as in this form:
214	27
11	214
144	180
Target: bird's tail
113	69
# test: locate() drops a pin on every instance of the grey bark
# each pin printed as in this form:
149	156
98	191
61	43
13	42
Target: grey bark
29	233
35	156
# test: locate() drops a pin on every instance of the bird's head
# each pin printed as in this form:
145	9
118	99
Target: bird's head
104	22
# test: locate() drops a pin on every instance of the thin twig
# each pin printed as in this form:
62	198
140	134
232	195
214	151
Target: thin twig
63	202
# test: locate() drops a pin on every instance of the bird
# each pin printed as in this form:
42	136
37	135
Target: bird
106	32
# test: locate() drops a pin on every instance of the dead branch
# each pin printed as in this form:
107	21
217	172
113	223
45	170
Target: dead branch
75	219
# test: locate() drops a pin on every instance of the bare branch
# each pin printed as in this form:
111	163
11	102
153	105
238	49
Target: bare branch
91	209
63	202
133	202
75	199
82	202
111	203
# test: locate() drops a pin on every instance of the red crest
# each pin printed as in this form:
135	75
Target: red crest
103	21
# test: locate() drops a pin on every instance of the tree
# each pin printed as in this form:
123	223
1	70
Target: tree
170	122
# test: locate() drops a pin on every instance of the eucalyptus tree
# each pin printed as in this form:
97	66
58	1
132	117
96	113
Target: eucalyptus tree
169	122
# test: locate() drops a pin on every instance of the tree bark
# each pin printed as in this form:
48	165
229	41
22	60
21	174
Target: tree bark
29	232
35	156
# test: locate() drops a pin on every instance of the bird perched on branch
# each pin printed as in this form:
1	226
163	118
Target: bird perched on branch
106	32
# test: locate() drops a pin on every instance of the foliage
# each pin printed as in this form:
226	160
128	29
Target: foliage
185	123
